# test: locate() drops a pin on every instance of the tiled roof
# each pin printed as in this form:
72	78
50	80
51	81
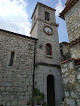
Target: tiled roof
67	60
69	4
76	61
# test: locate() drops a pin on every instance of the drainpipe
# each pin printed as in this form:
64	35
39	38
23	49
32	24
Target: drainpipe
34	65
34	70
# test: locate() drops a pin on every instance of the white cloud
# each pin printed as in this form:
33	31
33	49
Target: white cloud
13	16
59	7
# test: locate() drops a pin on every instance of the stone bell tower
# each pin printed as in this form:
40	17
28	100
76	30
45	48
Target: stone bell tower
47	72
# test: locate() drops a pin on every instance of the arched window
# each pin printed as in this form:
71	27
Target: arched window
48	49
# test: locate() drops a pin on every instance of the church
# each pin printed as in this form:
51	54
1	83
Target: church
34	62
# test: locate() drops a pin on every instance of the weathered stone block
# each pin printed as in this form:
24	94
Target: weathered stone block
72	78
78	102
70	102
66	94
64	70
65	81
78	77
14	102
0	97
74	95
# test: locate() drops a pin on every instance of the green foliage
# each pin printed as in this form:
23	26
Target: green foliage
37	97
45	104
31	101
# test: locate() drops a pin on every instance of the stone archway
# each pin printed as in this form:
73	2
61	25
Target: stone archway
50	90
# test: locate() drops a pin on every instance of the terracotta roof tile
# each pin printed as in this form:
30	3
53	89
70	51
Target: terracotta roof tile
68	2
67	60
76	61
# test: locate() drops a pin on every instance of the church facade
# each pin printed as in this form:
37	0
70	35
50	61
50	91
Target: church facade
31	62
40	61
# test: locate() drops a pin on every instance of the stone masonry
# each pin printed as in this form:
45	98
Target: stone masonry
71	81
72	18
30	58
47	64
16	81
71	67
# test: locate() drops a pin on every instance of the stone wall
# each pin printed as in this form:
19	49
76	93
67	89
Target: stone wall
71	70
72	18
65	51
75	51
16	81
41	74
71	81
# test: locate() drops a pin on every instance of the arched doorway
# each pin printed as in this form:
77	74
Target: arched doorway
50	90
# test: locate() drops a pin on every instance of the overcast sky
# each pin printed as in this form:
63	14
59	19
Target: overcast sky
15	16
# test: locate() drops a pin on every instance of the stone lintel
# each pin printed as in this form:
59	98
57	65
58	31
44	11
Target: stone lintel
47	64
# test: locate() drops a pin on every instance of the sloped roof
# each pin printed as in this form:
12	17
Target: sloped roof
2	30
69	4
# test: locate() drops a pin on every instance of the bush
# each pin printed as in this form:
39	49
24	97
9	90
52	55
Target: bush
37	97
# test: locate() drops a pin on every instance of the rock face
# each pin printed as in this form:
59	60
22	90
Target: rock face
71	81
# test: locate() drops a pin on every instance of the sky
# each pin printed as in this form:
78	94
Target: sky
15	16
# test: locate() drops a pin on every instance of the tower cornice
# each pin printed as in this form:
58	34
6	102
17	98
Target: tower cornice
38	3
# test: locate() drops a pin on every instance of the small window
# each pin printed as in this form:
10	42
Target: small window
46	16
11	59
48	49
